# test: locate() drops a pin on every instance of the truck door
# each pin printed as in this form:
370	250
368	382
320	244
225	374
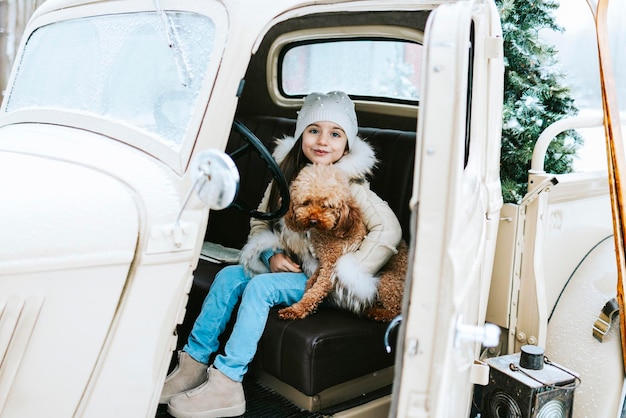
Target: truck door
456	202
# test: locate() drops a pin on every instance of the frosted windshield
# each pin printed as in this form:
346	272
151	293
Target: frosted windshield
144	70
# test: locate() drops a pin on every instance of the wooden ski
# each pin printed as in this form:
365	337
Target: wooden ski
616	156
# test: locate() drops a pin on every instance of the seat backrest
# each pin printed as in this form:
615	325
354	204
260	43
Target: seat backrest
392	179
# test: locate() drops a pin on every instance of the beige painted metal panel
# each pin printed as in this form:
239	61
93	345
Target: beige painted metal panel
456	225
501	290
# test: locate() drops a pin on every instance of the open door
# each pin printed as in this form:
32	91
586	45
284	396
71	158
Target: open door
456	204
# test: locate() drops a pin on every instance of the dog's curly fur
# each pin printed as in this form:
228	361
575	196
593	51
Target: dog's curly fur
322	204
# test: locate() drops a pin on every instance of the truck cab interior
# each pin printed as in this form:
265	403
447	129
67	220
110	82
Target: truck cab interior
332	356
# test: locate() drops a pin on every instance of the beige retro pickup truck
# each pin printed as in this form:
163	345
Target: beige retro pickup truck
134	148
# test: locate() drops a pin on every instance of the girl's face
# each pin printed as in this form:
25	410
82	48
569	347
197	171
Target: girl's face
324	142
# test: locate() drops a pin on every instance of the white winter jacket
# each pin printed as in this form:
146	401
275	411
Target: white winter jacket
384	231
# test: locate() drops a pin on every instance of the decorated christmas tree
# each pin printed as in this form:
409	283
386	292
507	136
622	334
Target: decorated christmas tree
535	95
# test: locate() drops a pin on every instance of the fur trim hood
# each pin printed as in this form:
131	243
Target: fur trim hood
357	164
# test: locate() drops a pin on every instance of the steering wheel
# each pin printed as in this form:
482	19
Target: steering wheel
277	174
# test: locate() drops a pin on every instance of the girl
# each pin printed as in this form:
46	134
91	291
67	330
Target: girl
276	262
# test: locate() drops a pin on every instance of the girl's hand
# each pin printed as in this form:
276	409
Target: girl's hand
281	263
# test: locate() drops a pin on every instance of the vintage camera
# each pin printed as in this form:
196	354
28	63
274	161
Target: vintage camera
527	385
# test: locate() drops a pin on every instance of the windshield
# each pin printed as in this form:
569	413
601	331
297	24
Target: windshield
144	70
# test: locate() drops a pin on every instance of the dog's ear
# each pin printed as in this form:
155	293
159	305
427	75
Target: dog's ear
349	217
290	217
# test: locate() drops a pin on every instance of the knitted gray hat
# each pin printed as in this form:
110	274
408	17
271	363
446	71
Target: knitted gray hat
334	107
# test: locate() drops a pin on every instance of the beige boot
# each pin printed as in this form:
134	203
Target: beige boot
218	397
187	375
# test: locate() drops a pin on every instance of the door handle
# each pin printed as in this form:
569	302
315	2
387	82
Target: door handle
488	335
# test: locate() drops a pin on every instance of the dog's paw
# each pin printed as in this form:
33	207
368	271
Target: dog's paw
291	313
381	314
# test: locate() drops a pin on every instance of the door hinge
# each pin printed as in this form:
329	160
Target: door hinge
493	47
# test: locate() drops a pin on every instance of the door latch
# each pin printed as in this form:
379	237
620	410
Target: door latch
488	335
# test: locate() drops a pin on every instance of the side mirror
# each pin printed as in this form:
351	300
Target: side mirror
216	182
216	178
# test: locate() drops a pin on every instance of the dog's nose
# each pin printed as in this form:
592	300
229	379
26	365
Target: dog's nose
312	222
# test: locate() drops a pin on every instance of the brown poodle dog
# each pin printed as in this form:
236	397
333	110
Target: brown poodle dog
321	203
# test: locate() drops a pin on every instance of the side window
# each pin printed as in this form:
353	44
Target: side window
470	81
388	69
378	66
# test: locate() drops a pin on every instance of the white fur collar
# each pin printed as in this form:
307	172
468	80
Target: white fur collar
357	164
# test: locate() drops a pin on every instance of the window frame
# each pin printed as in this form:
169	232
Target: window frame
375	104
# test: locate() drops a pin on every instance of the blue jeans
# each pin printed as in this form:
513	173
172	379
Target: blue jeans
258	294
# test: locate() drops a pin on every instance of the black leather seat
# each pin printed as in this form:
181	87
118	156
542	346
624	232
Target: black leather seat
332	355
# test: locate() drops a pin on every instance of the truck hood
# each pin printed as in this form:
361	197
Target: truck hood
58	214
